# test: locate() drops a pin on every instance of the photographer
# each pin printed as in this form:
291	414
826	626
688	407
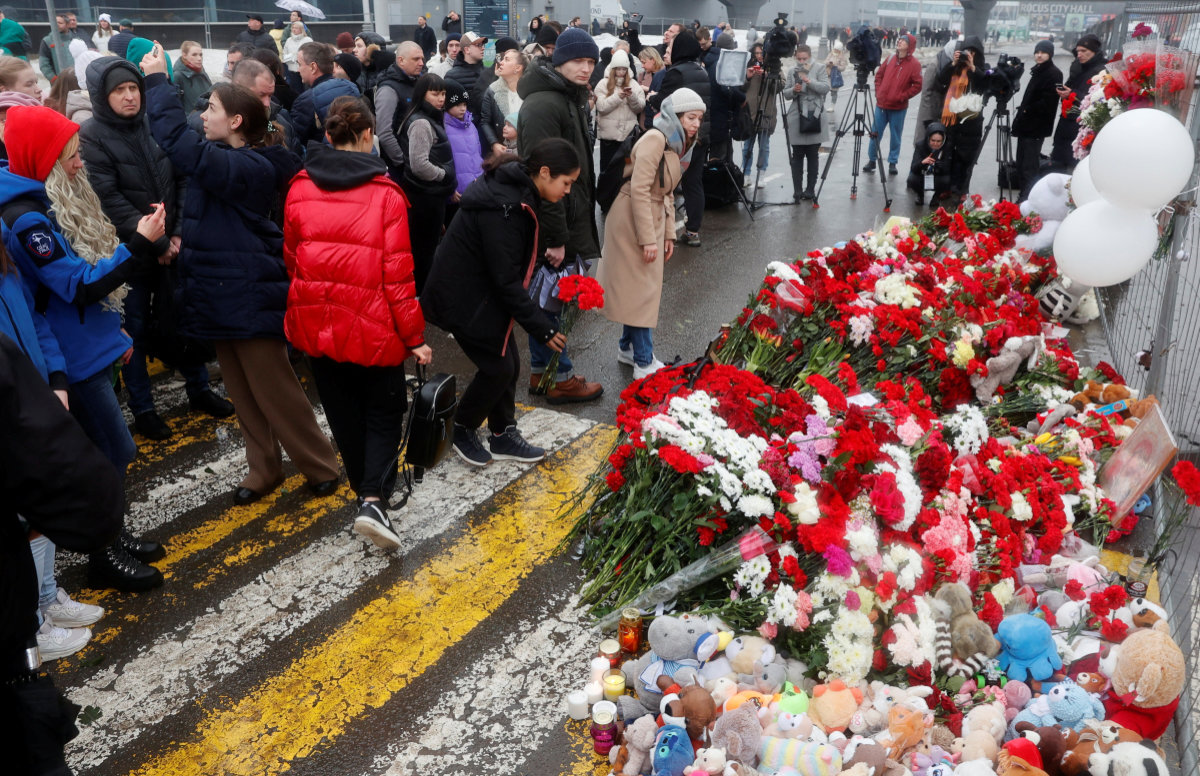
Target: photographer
897	81
755	79
965	80
930	161
805	120
1034	121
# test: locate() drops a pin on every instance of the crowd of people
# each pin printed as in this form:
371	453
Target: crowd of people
325	202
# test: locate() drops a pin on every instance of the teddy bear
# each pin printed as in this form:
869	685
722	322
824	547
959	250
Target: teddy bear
767	678
1140	613
928	754
875	756
789	725
974	745
738	733
1053	742
1008	764
1147	675
691	706
1016	697
1096	737
833	705
709	762
960	632
986	718
1127	759
672	652
744	651
633	756
1027	649
721	689
1050	199
1068	705
878	700
672	751
808	757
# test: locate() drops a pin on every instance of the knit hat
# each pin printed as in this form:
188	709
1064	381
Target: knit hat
344	41
140	47
350	64
104	18
127	23
34	137
1044	46
76	47
619	59
684	47
454	36
547	35
455	93
505	44
82	62
684	100
1091	43
574	43
117	76
726	41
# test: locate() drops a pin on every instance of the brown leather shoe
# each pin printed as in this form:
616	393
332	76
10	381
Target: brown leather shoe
534	390
572	390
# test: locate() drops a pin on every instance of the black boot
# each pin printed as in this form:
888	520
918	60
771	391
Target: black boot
152	426
145	550
212	404
115	568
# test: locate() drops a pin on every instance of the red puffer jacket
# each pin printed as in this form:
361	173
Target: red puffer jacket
352	296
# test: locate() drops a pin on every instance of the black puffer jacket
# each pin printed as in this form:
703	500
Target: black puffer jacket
260	38
475	294
686	71
128	170
554	107
372	71
1035	117
1079	81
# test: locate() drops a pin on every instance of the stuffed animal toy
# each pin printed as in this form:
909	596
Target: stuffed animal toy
906	729
879	699
974	745
793	699
789	725
858	769
1094	682
1147	674
1052	742
985	718
1025	749
672	652
1128	759
960	632
807	757
1068	705
767	679
1049	198
633	756
1096	737
1140	613
738	733
672	751
875	756
1002	368
1016	697
744	651
1027	649
833	705
691	707
721	689
709	762
1011	765
929	754
973	768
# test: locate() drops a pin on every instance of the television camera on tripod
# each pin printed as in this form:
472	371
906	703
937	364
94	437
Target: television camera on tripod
777	44
1002	82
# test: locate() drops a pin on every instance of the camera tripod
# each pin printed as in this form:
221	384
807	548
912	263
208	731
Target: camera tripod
1004	153
771	93
854	120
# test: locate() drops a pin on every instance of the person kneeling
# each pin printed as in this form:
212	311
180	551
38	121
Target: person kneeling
930	169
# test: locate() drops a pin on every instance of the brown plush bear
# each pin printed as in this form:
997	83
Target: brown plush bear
1100	394
1008	764
1147	674
1052	741
693	703
1097	737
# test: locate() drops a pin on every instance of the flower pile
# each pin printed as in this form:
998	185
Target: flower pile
877	409
577	293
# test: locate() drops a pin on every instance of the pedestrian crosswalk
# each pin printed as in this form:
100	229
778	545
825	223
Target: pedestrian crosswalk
282	641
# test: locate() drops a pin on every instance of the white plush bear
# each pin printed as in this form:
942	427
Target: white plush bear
1050	199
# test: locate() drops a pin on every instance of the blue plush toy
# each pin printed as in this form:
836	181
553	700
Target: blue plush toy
1027	649
672	751
1067	705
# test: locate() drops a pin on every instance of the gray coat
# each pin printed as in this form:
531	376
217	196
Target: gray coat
810	101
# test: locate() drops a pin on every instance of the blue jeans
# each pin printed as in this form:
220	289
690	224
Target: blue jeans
94	404
539	354
137	379
43	562
894	119
641	339
764	152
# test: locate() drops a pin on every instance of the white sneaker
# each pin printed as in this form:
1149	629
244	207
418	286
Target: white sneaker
54	642
67	613
625	356
641	371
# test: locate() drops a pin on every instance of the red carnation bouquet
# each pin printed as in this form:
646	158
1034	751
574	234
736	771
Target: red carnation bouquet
577	293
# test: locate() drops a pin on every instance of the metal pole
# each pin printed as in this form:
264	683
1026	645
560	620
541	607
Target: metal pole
368	21
56	50
920	15
825	22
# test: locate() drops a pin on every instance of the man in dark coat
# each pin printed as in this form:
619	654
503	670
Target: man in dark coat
256	34
425	38
119	43
1089	60
393	98
48	63
686	71
130	175
311	106
468	69
452	23
555	104
725	103
1034	120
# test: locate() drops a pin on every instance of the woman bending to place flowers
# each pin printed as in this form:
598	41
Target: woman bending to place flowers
347	249
233	284
639	235
476	291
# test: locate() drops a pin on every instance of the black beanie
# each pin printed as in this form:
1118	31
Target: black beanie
685	47
455	93
505	44
1044	46
547	35
1091	43
116	76
350	64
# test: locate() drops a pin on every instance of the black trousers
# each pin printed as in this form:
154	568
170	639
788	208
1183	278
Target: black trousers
492	393
608	149
964	143
800	155
426	214
365	407
693	187
1029	160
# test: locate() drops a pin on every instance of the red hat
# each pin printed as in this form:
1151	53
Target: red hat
35	137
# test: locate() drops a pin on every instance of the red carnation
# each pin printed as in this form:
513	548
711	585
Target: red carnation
615	480
679	459
991	613
1074	590
1116	596
1188	479
1098	603
1114	630
886	499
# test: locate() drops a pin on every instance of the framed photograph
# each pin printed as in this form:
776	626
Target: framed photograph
731	67
1138	461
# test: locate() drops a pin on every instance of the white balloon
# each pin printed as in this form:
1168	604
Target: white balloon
1102	244
1142	159
1083	189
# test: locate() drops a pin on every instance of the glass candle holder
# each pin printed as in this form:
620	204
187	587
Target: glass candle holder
629	630
614	684
610	650
604	727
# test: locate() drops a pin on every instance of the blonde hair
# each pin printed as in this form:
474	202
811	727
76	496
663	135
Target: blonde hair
188	44
77	210
10	68
612	78
651	54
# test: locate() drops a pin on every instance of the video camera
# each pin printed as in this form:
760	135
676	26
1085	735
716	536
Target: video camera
777	44
1003	80
865	54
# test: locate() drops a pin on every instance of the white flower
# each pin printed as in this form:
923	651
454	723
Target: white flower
781	270
894	290
755	506
782	609
861	328
1003	592
752	574
805	509
821	407
1021	510
849	645
968	428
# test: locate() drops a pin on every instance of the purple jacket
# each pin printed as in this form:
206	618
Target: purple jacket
464	145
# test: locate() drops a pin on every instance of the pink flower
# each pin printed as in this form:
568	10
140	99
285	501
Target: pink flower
768	630
838	561
910	432
852	601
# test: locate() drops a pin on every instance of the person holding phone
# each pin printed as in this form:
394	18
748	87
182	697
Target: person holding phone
1034	119
1089	60
619	103
963	77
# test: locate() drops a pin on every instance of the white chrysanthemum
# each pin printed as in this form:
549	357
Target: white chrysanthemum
862	541
805	509
849	645
895	290
780	270
820	407
754	505
861	329
782	610
968	428
1021	510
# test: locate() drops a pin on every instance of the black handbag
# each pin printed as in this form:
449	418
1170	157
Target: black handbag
430	420
808	125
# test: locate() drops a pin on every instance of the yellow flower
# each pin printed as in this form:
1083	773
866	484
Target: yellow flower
963	353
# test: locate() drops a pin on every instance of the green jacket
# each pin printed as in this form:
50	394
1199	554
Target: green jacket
13	39
553	107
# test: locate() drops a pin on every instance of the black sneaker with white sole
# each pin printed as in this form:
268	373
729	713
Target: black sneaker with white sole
466	444
372	522
512	446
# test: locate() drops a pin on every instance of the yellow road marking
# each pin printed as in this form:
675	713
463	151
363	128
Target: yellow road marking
397	636
584	760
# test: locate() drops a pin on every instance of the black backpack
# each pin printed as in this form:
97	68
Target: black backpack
613	177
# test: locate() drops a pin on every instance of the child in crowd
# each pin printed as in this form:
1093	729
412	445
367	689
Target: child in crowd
464	142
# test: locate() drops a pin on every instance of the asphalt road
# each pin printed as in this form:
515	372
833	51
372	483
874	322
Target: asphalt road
283	642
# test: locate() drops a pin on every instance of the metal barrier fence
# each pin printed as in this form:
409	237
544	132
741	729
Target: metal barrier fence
1152	327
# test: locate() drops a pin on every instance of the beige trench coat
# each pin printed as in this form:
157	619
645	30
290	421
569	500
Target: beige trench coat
643	213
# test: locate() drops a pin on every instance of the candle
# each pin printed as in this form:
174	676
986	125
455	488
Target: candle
577	705
614	684
611	651
629	631
599	666
604	712
593	692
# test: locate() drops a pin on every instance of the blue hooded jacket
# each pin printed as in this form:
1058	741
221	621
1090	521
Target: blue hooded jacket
66	289
31	332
